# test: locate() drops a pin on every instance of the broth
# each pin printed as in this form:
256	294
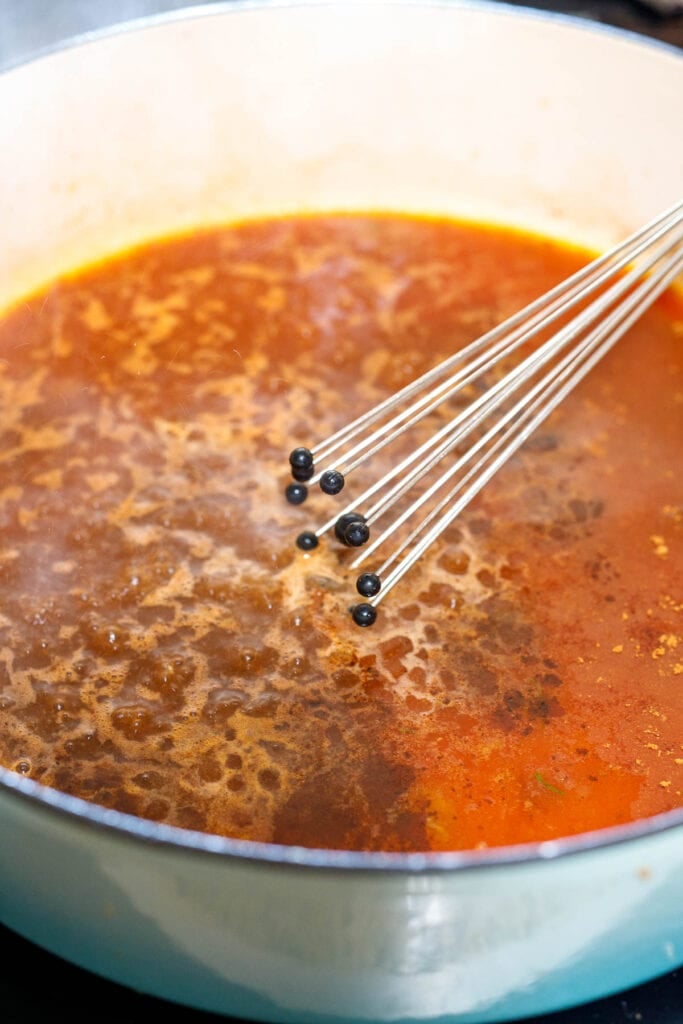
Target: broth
166	650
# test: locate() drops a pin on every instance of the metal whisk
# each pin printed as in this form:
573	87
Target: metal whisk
604	299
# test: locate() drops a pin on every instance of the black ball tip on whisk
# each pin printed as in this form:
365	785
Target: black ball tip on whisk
332	481
364	614
368	584
307	541
356	533
343	523
301	462
296	494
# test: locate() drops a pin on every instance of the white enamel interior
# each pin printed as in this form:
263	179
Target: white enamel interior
432	108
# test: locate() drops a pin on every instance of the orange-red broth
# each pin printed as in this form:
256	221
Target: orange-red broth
166	649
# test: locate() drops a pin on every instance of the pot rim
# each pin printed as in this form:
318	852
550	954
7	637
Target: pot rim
126	826
504	8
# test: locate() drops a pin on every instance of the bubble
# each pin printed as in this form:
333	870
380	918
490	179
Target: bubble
269	779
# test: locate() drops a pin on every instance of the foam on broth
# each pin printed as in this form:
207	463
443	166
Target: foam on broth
166	650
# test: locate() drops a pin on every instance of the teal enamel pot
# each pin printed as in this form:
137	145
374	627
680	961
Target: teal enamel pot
112	139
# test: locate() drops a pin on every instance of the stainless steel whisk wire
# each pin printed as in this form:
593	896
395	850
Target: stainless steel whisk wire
606	318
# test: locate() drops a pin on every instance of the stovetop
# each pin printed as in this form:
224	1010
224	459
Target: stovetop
36	986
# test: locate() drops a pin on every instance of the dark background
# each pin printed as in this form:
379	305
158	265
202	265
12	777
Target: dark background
51	991
38	987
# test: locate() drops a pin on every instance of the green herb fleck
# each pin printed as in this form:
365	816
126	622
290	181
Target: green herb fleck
548	785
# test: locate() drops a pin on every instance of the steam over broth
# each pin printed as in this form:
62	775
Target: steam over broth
165	649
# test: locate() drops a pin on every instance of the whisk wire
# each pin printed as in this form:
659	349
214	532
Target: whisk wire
463	424
611	292
617	323
501	341
520	432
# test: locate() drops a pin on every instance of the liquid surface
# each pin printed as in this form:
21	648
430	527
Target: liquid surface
165	649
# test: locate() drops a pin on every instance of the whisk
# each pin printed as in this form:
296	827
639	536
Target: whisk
435	481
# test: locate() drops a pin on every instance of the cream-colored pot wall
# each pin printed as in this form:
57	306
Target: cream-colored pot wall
425	107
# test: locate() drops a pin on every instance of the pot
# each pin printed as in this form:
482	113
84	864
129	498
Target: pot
239	110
